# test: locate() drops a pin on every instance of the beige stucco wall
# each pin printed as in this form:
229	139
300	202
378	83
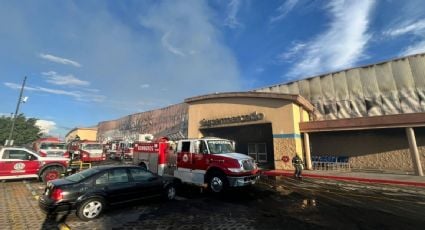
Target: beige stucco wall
284	147
398	160
283	115
83	133
382	149
277	112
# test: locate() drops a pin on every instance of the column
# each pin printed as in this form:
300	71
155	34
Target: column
307	151
414	151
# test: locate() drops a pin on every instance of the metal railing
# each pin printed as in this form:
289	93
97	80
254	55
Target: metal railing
330	163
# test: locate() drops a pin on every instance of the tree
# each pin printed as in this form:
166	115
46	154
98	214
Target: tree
25	130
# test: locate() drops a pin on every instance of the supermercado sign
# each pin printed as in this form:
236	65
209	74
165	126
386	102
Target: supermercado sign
231	120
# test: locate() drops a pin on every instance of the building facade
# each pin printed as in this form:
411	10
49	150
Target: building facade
170	121
384	91
264	125
373	116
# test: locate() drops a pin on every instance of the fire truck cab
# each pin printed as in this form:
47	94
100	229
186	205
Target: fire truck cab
120	150
50	147
87	151
206	162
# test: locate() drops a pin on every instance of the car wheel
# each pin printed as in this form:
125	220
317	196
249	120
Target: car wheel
217	183
170	192
90	209
51	173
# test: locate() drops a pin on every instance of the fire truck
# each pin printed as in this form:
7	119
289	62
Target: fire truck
120	150
86	151
207	162
50	147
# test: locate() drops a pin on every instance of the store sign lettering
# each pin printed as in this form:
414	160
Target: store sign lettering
231	120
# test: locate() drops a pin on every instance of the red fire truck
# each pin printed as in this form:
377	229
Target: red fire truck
207	162
86	151
50	147
120	150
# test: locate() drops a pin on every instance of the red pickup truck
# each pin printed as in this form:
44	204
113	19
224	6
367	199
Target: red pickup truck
17	162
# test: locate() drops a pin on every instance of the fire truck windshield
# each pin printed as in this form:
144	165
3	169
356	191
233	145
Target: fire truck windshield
52	146
91	146
220	146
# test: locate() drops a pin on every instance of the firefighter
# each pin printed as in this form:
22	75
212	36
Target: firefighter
298	164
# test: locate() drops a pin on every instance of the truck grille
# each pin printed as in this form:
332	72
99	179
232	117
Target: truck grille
95	154
54	153
248	164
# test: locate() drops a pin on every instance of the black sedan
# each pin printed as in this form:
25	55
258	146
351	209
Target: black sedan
89	191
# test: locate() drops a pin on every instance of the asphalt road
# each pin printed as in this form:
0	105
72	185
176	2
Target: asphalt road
282	203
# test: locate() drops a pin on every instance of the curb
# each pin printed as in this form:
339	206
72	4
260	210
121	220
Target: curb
345	178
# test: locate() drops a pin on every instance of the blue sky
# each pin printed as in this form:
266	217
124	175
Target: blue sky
91	61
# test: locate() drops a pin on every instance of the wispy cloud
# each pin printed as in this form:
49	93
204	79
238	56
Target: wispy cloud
417	27
78	95
283	10
292	52
232	12
412	28
69	80
340	46
59	60
144	86
418	47
170	47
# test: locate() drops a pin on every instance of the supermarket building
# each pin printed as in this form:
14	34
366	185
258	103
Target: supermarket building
373	116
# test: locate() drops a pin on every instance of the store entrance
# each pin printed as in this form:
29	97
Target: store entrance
253	140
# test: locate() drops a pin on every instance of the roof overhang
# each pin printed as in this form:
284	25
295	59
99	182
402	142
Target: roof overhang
363	123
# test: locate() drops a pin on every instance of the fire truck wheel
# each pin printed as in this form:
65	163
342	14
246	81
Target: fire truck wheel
170	192
51	173
90	209
217	182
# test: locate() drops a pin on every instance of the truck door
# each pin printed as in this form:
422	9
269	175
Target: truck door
18	162
200	155
184	155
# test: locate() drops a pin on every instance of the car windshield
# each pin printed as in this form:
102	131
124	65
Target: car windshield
82	175
53	146
91	146
220	146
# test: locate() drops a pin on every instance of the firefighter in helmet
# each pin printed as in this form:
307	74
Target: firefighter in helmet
298	165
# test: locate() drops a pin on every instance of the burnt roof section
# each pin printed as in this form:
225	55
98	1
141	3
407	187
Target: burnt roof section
297	99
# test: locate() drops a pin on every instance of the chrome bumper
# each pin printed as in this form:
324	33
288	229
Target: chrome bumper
242	181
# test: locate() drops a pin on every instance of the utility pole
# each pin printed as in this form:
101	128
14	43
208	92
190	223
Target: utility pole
10	141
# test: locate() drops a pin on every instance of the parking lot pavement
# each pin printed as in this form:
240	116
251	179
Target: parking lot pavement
19	208
279	203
